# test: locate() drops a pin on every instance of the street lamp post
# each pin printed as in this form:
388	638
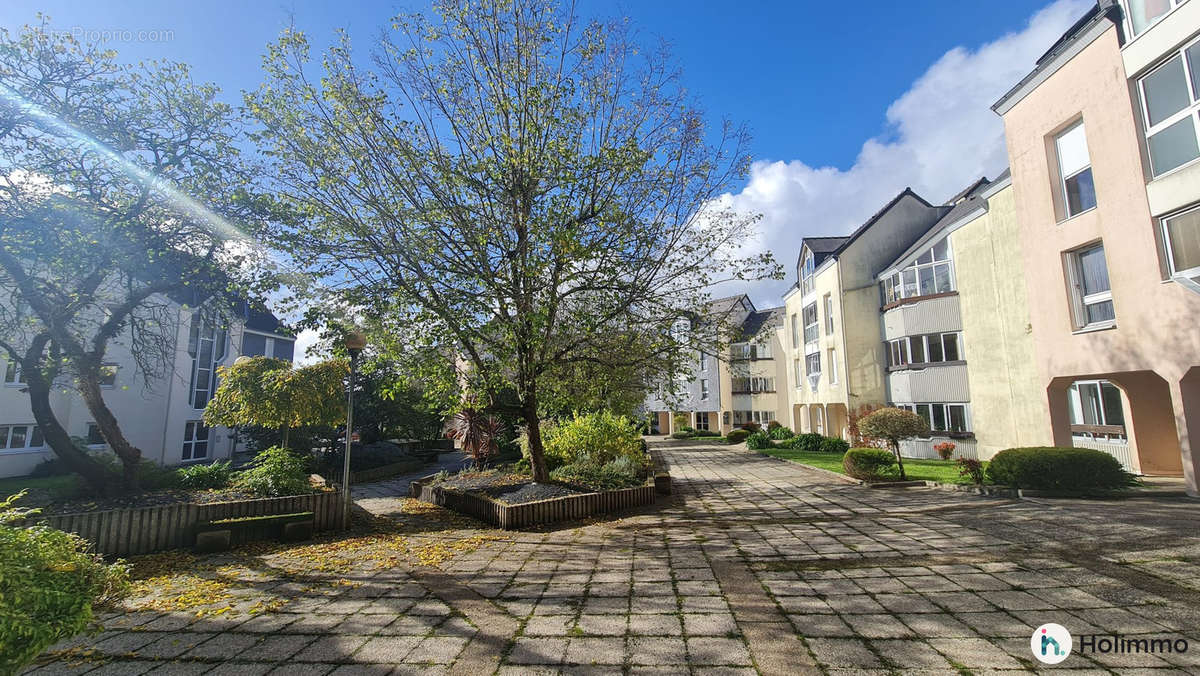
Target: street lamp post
355	342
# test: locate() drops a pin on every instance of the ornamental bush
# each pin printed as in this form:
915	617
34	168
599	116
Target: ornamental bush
834	445
603	437
779	432
276	471
1049	468
868	464
622	472
49	585
809	442
758	441
203	477
737	436
683	435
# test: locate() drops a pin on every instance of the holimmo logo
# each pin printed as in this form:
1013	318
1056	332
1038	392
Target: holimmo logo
1050	643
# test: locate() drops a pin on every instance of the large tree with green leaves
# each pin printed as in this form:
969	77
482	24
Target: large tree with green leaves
265	392
512	186
100	240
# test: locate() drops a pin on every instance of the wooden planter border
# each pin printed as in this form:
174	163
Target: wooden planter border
509	517
142	530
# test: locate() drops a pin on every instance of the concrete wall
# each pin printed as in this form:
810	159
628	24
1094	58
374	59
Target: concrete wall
1155	321
1008	401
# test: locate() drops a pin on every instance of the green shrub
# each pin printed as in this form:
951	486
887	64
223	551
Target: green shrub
774	425
622	472
1051	468
779	432
276	471
216	475
706	433
809	442
682	435
603	437
758	441
151	476
834	445
751	427
737	436
49	585
868	464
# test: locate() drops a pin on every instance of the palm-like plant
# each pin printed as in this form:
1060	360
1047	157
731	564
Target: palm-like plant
478	432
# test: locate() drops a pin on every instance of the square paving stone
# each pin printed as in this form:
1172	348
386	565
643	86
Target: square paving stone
596	651
173	645
549	625
877	626
1014	600
709	624
853	603
966	602
437	650
386	649
239	669
602	625
704	650
704	604
180	669
803	604
658	651
996	624
974	653
654	604
302	670
125	642
224	646
528	650
820	625
906	603
936	625
411	626
331	649
268	623
606	605
911	654
839	652
655	625
275	648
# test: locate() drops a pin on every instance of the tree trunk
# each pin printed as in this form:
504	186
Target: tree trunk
286	434
56	436
899	460
129	455
537	454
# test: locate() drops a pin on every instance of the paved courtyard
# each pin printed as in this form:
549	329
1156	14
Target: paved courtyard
754	565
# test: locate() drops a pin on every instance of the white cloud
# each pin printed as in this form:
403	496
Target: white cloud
306	340
941	135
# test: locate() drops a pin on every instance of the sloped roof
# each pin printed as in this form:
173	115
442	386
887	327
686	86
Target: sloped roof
757	321
822	247
847	241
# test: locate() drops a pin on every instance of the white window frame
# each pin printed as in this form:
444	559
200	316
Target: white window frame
945	407
703	361
833	366
892	288
904	345
1080	302
808	362
31	431
18	377
808	272
1063	178
813	328
795	330
798	365
209	328
191	443
271	340
1075	402
1127	10
702	420
829	314
116	370
1192	110
703	389
1166	239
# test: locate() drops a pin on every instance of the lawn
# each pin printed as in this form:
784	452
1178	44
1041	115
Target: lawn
56	486
928	470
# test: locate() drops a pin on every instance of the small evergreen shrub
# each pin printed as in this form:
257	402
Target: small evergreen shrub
779	432
603	437
809	442
276	471
622	472
834	445
49	584
682	435
1049	468
204	477
737	436
868	464
758	441
705	433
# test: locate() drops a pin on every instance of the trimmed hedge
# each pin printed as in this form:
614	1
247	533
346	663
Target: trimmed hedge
759	441
868	464
682	435
1051	468
737	436
834	445
780	433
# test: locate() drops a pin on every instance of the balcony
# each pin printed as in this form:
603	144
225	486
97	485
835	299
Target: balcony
923	314
946	381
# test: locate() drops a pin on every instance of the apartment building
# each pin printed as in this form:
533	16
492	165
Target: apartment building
955	326
730	390
1102	141
832	331
162	418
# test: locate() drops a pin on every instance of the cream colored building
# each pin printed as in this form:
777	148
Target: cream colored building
1102	140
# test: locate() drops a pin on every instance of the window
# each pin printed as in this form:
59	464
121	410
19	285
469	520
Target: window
828	314
813	364
807	270
799	372
795	330
750	351
753	385
1094	406
1091	296
94	437
1170	105
703	361
20	437
195	440
1181	234
812	329
12	374
260	345
833	366
1075	171
942	417
206	345
1144	13
931	273
920	350
703	388
702	420
108	375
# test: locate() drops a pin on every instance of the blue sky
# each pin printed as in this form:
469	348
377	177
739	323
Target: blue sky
848	102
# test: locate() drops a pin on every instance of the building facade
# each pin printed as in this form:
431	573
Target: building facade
1102	140
164	418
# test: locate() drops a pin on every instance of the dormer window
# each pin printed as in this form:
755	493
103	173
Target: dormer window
808	270
931	273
